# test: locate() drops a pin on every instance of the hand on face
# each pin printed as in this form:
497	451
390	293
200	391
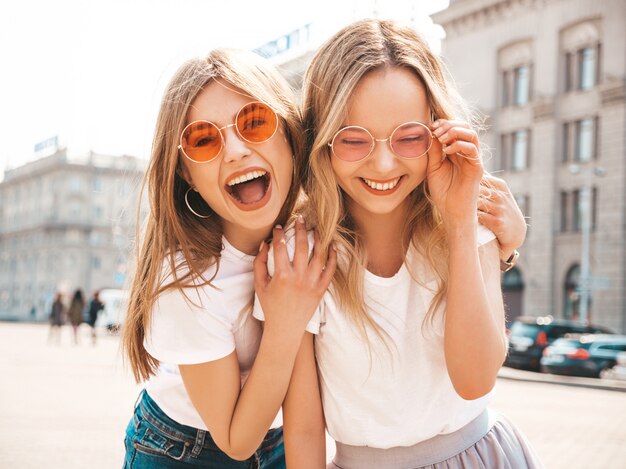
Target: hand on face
290	296
454	170
498	211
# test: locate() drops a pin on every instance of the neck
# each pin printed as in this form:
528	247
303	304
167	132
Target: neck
382	238
247	241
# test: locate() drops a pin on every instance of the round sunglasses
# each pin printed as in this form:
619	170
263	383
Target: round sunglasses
202	141
408	140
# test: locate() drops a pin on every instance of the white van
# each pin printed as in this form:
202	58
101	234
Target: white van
115	303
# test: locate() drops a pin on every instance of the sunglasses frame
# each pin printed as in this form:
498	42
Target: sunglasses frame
374	140
219	131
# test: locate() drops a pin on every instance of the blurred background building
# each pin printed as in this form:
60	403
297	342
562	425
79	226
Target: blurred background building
550	76
65	223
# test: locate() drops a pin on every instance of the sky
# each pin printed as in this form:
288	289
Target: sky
92	72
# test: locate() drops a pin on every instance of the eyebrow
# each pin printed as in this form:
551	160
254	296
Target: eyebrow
252	108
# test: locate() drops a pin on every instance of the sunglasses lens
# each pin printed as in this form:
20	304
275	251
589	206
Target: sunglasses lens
352	144
411	140
256	122
201	141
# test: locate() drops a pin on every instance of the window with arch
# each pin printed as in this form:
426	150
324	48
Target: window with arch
571	295
582	49
515	65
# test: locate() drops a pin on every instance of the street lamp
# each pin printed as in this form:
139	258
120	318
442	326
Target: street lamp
585	209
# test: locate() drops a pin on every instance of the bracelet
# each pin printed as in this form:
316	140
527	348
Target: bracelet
507	265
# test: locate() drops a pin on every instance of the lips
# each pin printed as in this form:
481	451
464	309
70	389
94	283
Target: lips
249	189
377	187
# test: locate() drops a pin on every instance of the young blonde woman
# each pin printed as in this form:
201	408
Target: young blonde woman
225	168
411	335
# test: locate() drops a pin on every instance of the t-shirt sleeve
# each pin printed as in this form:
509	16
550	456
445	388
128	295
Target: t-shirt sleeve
187	331
484	235
314	324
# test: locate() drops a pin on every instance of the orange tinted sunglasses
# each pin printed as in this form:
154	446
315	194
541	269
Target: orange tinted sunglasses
202	141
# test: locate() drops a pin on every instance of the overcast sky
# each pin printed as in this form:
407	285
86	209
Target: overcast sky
93	71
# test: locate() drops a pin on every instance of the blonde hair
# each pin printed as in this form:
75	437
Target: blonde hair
329	83
170	227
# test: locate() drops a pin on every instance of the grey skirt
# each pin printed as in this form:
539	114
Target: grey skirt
489	441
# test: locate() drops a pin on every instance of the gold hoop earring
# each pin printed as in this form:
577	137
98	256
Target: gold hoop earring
191	209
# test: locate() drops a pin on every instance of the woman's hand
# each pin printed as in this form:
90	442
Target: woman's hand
291	294
454	170
498	211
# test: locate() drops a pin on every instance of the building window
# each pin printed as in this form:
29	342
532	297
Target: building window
571	300
521	85
580	140
571	213
587	68
582	68
97	184
516	86
584	140
519	158
515	150
577	211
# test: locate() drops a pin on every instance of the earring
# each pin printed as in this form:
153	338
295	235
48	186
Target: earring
191	209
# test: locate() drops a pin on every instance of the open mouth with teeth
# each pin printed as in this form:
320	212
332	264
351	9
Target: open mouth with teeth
250	190
381	187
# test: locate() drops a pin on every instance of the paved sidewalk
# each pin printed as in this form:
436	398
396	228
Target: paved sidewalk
535	377
66	407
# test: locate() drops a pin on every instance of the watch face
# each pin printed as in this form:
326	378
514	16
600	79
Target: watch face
507	265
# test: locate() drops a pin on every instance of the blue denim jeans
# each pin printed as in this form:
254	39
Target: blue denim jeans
155	441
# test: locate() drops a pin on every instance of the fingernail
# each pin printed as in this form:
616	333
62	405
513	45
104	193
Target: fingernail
436	124
278	227
438	132
300	219
261	246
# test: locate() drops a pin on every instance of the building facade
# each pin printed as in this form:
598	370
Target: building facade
65	223
550	77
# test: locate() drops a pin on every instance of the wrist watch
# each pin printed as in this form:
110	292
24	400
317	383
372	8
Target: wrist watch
507	265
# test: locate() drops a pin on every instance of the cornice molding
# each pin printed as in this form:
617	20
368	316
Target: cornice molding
468	15
613	91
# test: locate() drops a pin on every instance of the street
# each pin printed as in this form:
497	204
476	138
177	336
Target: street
66	406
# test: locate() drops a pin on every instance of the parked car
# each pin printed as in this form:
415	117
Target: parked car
115	302
587	355
529	336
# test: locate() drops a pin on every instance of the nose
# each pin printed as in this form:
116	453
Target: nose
235	147
383	160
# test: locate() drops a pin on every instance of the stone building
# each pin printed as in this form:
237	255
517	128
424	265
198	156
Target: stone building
65	223
550	77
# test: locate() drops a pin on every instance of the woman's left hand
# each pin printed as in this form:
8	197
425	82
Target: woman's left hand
454	170
498	211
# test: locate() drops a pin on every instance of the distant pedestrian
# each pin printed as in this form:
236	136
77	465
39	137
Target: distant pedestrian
75	312
57	318
95	306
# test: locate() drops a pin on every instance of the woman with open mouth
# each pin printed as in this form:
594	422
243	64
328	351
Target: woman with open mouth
224	176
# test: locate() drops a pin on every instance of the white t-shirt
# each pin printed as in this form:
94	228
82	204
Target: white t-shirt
395	395
184	333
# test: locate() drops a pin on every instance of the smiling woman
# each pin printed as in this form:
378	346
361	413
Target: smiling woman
226	167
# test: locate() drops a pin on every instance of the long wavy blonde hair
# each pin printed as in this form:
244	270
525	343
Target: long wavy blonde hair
329	83
170	227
